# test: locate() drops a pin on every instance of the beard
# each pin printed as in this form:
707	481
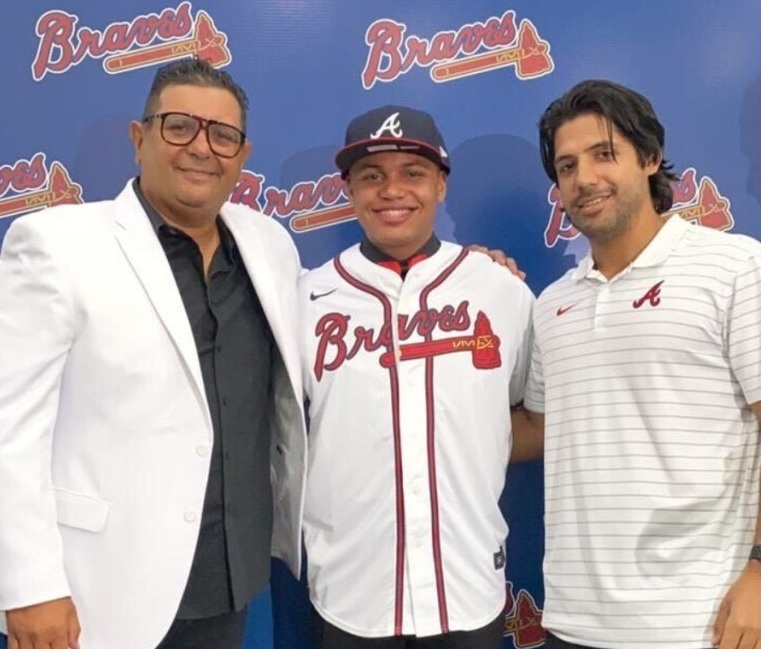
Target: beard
612	222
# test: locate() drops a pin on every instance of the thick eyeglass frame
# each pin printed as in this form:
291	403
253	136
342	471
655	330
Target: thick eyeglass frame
202	125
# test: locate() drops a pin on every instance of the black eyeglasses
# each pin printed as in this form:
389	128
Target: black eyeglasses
180	129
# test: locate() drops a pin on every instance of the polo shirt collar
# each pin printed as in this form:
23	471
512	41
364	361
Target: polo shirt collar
656	252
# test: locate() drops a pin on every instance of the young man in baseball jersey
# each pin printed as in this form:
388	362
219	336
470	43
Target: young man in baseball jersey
646	374
414	350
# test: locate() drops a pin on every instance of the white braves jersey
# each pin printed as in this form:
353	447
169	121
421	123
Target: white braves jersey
651	447
410	385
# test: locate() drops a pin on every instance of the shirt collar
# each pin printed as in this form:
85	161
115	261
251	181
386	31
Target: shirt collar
160	225
377	256
153	216
654	253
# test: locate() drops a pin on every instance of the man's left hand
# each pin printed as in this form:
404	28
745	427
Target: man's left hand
738	625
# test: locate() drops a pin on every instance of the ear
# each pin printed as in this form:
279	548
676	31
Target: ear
441	187
136	136
653	164
245	152
347	189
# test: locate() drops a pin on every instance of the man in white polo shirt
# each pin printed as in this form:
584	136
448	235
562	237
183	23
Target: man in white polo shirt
646	375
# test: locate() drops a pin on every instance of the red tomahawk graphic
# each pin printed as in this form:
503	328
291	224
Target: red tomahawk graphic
523	619
531	57
483	345
206	43
711	209
61	190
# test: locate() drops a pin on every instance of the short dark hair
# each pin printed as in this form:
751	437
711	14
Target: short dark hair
630	112
194	72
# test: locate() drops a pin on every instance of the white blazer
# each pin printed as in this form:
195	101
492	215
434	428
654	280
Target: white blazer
105	433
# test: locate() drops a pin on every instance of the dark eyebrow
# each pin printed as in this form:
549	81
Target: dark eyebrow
602	144
597	146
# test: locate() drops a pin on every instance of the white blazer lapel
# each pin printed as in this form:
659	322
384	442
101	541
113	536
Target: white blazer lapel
272	265
262	271
146	256
274	288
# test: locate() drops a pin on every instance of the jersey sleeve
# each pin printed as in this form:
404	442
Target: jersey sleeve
743	329
523	357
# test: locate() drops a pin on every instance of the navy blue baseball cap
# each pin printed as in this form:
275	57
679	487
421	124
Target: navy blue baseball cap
392	128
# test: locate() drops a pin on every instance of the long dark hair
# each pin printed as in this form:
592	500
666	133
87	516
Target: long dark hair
631	113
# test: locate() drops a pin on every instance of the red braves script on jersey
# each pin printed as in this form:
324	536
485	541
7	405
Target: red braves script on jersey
332	329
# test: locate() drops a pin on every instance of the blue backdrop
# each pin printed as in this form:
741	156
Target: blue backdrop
76	72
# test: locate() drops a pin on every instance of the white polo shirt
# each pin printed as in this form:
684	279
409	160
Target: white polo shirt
652	451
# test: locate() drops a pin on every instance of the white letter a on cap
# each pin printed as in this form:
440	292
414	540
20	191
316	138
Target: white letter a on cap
391	125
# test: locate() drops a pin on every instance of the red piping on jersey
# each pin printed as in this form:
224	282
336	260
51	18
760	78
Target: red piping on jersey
394	378
431	445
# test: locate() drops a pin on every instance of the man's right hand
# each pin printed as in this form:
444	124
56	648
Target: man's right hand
49	625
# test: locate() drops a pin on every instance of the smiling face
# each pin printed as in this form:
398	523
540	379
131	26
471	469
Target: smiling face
395	196
188	184
603	186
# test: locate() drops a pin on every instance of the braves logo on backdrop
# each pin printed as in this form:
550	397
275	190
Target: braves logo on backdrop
523	619
148	39
474	48
697	202
337	344
32	186
309	205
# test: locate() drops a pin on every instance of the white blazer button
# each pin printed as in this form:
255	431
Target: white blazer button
191	517
202	450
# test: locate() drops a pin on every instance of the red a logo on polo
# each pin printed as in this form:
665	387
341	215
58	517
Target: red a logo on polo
653	296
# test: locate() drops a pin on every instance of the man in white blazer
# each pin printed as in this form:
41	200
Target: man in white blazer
127	378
